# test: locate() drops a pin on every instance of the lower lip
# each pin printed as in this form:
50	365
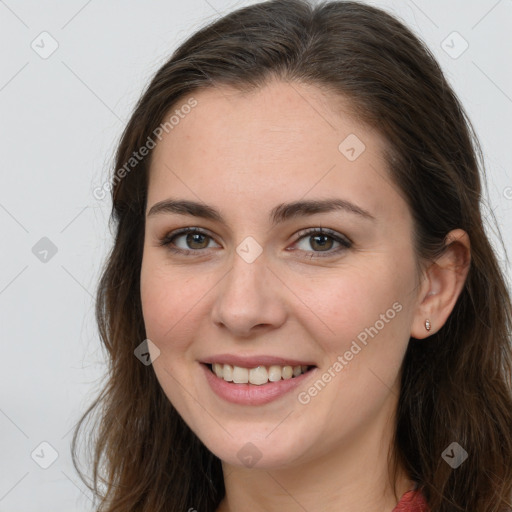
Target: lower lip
251	394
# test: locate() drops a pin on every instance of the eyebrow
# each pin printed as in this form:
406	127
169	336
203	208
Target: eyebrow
279	214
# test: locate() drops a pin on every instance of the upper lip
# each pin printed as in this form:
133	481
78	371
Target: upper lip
254	361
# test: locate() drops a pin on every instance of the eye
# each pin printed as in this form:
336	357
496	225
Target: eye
321	241
194	239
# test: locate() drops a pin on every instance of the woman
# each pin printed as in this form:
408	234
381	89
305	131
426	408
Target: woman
300	255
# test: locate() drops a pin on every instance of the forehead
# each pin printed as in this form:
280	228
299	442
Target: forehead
279	116
284	139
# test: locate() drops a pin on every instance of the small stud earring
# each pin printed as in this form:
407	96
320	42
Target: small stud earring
427	324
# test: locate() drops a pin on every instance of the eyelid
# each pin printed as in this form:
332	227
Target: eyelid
323	231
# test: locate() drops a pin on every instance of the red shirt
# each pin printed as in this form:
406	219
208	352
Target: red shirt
412	501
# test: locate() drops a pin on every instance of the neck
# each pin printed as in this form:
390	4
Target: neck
310	488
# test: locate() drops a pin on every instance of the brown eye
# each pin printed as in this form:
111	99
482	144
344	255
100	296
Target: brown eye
322	241
193	240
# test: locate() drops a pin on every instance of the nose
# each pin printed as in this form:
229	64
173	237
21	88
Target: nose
250	298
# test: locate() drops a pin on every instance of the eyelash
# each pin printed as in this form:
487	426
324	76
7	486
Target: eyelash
345	243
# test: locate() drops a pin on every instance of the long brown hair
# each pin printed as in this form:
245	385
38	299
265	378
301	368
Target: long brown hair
455	386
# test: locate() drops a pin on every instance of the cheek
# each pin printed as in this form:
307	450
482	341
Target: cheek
350	305
365	310
166	298
168	313
175	303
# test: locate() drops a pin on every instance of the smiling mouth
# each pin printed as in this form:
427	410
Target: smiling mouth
259	375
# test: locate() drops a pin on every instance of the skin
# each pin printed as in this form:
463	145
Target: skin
244	154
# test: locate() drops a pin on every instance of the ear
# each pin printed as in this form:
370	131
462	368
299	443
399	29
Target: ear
442	284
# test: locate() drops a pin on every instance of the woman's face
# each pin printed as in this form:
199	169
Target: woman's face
260	292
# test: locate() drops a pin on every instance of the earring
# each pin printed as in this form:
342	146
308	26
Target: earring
427	324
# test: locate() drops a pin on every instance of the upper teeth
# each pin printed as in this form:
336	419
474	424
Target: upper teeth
259	375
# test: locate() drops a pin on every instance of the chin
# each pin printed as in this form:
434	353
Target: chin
256	449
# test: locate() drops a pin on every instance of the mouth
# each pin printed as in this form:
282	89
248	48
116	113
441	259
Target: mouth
258	375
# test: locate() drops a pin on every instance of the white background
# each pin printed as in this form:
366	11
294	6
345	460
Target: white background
60	120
